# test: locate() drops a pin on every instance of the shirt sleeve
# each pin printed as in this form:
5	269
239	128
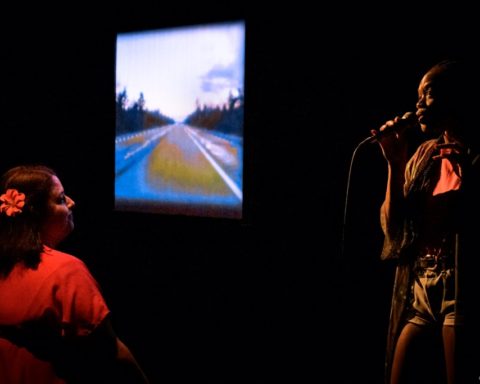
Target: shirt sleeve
79	301
393	242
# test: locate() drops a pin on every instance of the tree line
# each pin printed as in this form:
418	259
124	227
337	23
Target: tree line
227	118
135	118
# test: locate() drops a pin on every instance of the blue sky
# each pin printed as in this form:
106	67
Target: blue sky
176	67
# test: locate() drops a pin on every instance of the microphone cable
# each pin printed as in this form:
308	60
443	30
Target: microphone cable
345	210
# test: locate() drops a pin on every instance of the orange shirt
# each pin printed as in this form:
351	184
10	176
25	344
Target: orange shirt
59	299
449	177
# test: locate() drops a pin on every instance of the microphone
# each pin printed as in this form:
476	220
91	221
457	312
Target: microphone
408	120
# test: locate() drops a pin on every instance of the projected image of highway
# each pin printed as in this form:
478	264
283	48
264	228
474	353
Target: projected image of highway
179	169
179	120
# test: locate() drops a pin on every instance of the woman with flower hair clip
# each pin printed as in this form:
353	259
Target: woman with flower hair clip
54	322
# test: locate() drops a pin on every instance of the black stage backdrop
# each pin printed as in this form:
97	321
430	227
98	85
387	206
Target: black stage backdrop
275	295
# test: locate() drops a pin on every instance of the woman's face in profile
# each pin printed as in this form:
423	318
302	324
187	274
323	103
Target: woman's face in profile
434	103
58	222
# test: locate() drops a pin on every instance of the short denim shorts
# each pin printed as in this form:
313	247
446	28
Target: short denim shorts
433	293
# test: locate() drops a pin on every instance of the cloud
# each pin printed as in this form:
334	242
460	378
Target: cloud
219	78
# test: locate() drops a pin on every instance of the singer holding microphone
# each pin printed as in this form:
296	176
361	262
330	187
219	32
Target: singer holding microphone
431	221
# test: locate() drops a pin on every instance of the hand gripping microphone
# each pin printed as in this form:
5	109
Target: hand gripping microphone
408	120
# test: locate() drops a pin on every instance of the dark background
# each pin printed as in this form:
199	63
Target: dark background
278	294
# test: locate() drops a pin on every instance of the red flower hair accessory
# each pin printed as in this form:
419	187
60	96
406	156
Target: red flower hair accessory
12	202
